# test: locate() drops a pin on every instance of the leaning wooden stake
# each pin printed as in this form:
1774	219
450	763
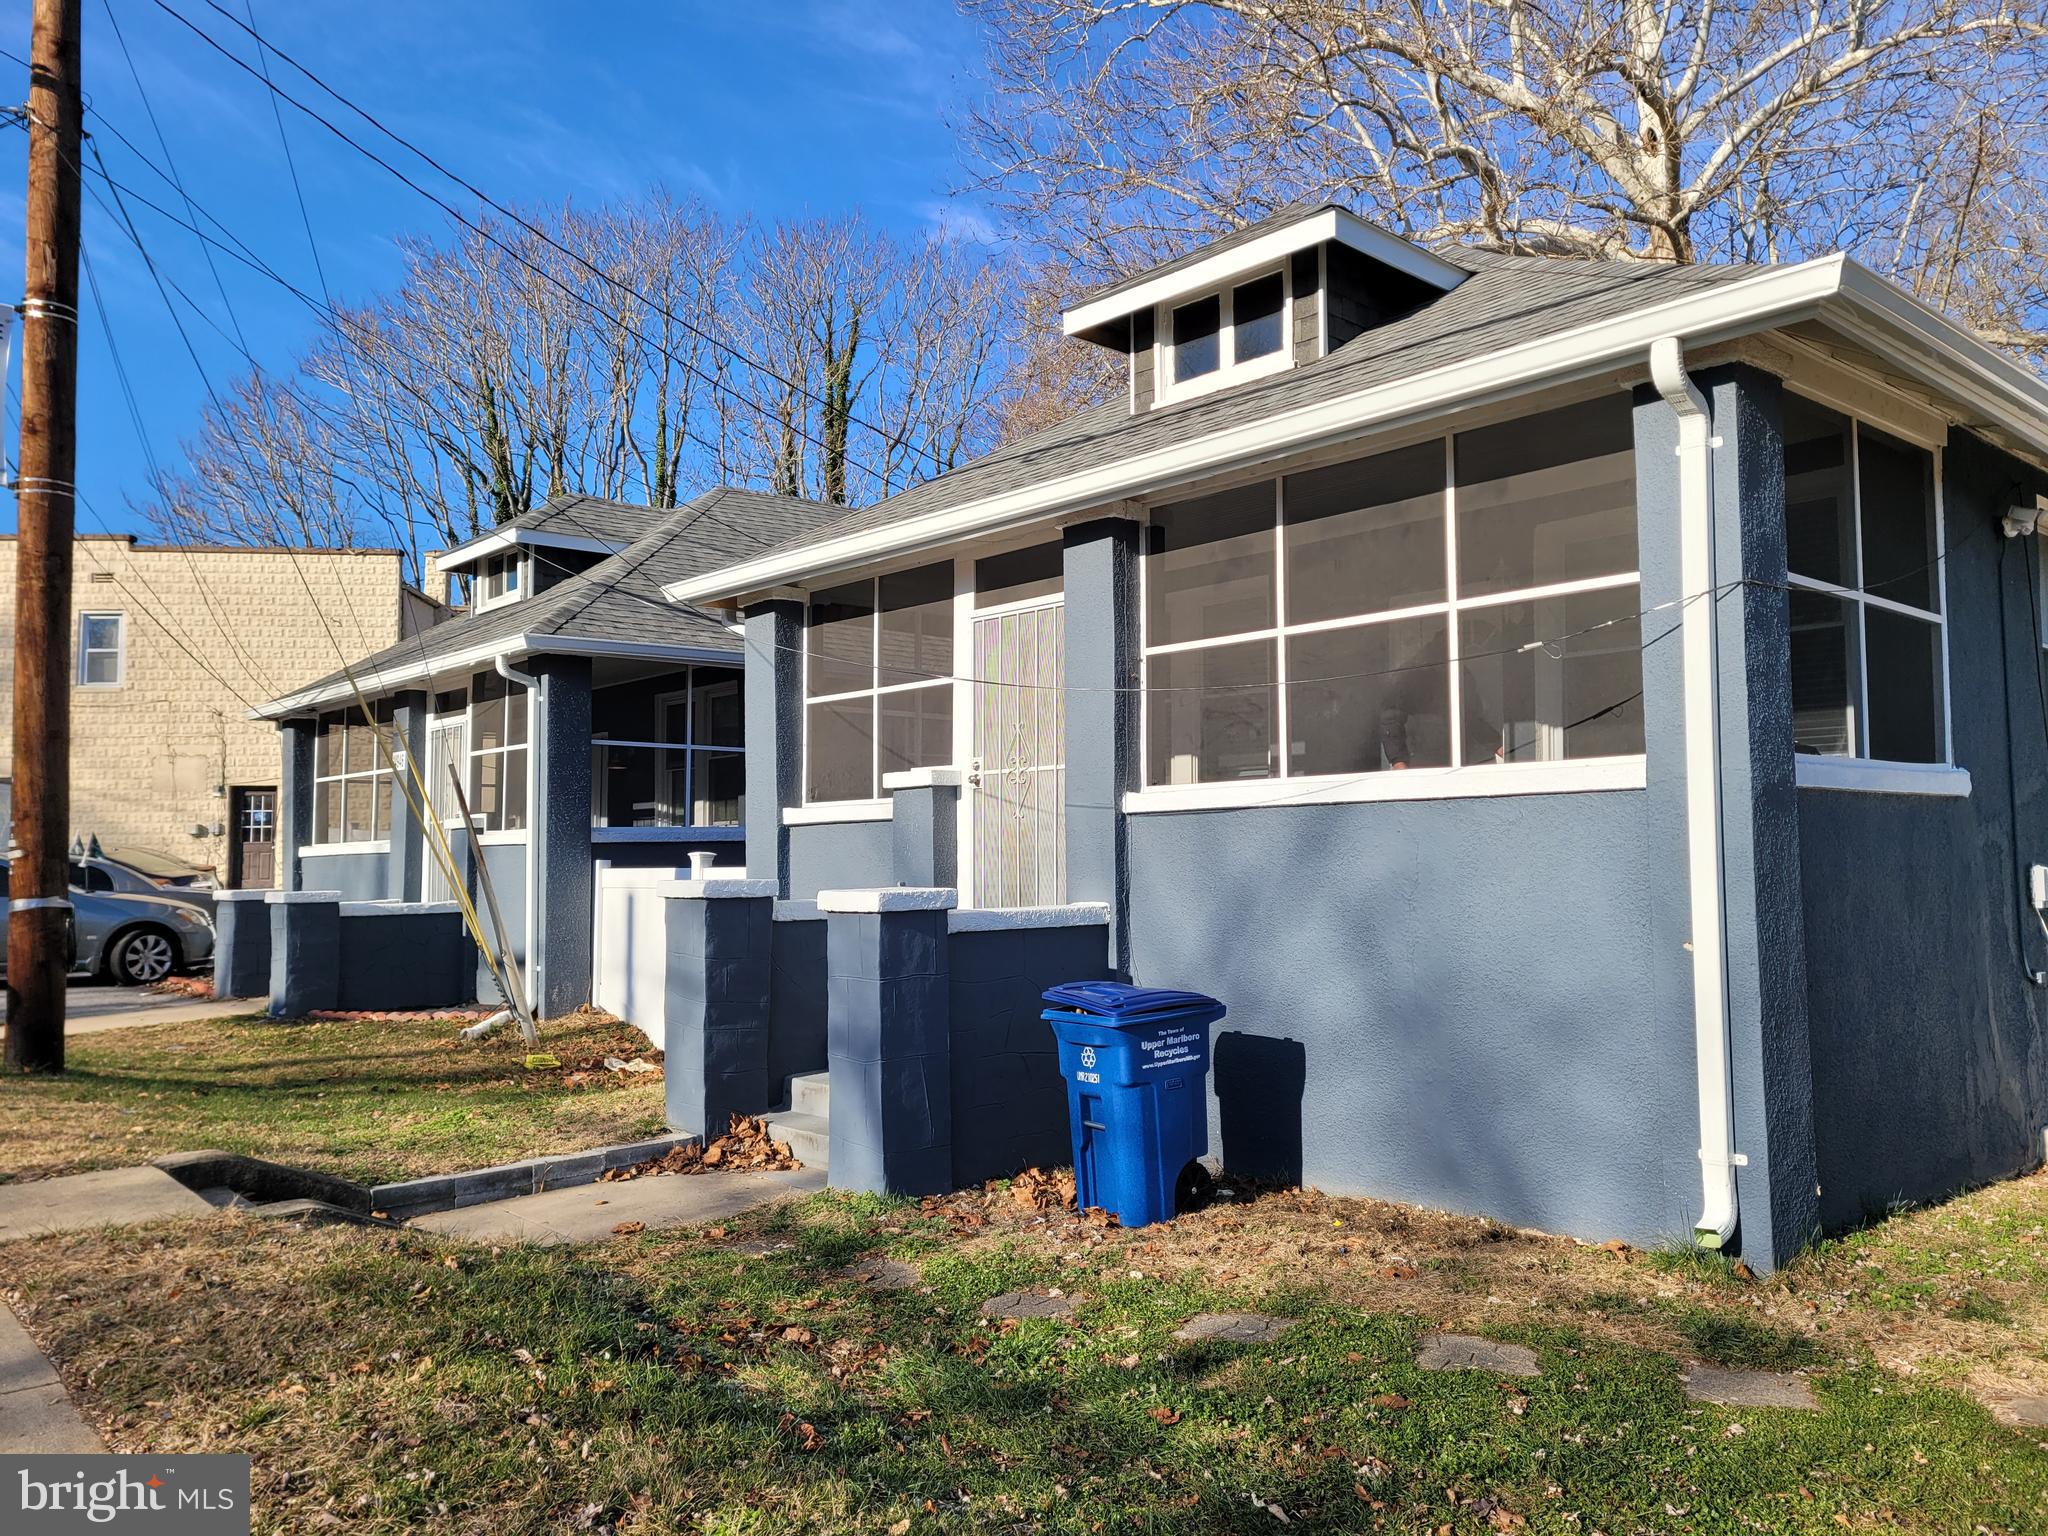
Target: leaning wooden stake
508	973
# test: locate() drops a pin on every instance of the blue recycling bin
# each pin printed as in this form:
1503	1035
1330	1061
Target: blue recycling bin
1136	1063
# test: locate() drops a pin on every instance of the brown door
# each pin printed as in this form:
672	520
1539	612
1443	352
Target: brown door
252	848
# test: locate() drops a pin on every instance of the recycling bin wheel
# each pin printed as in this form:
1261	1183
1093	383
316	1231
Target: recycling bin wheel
1194	1189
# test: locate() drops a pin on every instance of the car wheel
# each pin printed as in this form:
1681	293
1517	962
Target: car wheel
143	957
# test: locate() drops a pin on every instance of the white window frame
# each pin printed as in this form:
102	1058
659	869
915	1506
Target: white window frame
472	752
875	806
1858	769
1228	370
342	777
1568	775
119	649
511	568
689	746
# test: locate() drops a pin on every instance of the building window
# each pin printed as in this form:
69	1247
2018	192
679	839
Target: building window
1862	542
102	649
694	774
1238	333
352	776
1461	602
498	580
878	694
497	753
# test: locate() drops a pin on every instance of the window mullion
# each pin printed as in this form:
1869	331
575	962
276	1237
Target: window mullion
1862	620
1454	692
1280	767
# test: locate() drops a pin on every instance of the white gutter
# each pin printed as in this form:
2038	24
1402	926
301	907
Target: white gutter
535	718
484	654
1704	856
1777	296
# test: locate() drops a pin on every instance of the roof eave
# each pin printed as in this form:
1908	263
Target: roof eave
1778	296
385	679
497	539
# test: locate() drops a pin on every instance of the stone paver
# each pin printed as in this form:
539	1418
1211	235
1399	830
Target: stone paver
881	1274
1234	1327
35	1415
589	1212
79	1201
2018	1409
1464	1352
1746	1389
1027	1304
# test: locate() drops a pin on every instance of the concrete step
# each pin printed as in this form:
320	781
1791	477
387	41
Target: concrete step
809	1136
811	1094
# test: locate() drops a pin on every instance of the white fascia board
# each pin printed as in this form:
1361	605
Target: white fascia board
388	678
1275	245
506	538
1941	354
1779	296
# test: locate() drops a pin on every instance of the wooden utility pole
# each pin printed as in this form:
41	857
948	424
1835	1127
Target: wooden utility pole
39	908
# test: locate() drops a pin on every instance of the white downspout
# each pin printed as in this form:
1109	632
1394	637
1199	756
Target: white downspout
1704	859
531	684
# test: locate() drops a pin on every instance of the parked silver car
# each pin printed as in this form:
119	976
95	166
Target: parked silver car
99	874
134	940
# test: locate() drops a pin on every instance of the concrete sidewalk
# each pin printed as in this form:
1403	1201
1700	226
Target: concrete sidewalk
589	1212
91	1010
78	1202
36	1417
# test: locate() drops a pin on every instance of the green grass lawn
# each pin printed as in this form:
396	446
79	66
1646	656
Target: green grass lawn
689	1381
372	1100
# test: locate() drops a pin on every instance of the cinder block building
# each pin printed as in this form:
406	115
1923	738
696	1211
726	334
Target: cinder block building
172	646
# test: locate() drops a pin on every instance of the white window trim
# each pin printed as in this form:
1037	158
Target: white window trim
826	812
119	648
874	586
1325	789
501	839
328	850
471	752
1869	776
1915	773
1474	781
1166	390
517	565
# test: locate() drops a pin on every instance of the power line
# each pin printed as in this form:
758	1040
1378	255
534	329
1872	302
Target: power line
263	45
711	379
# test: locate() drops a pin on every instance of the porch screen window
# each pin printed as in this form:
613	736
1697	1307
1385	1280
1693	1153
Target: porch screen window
1456	602
352	777
497	753
1862	534
691	774
878	693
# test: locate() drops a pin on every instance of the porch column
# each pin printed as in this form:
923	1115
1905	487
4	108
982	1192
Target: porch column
305	951
1102	745
774	735
294	796
924	825
889	1043
717	1000
408	840
558	821
1770	1072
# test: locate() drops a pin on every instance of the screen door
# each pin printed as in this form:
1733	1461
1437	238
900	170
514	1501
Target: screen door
1017	779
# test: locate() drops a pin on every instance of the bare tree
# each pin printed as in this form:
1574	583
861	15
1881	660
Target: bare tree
1906	131
643	351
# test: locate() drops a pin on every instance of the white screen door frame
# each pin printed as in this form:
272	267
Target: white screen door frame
1013	846
447	742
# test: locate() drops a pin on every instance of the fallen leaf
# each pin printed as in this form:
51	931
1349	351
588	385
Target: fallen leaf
628	1228
1164	1414
1392	1400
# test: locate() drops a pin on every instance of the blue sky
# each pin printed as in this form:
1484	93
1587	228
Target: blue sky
776	108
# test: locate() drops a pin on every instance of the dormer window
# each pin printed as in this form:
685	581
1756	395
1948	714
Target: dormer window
498	579
1224	338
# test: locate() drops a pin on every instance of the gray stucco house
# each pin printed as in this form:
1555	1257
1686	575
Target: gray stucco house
1586	719
589	719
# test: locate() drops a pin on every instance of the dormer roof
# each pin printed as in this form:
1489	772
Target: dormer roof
1104	315
587	524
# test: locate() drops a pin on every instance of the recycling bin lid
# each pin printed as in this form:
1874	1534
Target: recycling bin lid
1121	1000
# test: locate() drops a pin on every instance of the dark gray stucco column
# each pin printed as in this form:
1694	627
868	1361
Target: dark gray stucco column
1103	750
717	1001
407	865
241	944
774	720
305	952
1763	934
924	825
294	796
888	1031
1770	1063
559	823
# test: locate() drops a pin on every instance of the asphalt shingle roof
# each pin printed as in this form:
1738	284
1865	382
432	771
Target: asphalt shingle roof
1507	301
591	517
619	598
